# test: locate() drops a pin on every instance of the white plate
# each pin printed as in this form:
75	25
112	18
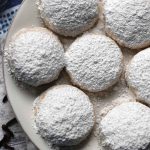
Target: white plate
21	99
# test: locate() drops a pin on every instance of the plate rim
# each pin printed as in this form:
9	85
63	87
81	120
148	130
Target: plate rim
4	69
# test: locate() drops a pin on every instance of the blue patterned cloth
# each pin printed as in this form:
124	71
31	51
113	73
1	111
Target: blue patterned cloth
8	9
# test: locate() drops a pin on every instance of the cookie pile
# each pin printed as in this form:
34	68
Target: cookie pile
64	114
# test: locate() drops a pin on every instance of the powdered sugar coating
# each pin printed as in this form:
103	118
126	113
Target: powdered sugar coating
35	56
127	22
94	62
126	127
69	17
63	115
138	75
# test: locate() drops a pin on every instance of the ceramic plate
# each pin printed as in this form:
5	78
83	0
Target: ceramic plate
21	99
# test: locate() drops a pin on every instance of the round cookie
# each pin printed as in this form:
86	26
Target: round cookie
127	22
35	56
71	17
63	115
138	75
94	62
126	127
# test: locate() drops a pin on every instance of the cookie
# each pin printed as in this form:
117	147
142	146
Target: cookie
94	62
35	56
126	127
69	18
138	76
63	115
127	22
